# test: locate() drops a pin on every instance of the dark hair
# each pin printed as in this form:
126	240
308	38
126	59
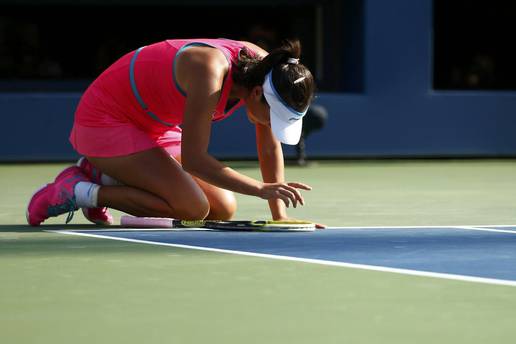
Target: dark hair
250	71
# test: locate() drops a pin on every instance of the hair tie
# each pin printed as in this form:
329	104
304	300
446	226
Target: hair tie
292	60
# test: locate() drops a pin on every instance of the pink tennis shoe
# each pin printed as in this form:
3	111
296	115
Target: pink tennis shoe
55	198
101	215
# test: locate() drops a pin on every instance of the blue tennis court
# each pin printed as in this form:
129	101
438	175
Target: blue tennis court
479	254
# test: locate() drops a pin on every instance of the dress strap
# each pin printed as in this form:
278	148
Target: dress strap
137	94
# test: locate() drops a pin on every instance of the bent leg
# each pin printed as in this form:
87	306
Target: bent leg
154	185
223	204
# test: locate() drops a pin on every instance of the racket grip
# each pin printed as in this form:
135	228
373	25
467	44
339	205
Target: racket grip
146	222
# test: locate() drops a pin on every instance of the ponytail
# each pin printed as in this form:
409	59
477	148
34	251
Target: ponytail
251	71
293	80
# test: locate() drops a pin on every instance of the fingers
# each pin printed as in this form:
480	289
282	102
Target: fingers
290	195
284	197
293	194
300	186
287	192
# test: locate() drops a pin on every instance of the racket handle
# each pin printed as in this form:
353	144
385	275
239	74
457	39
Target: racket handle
146	222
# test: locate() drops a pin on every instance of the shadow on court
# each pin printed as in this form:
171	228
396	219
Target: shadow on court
41	229
28	241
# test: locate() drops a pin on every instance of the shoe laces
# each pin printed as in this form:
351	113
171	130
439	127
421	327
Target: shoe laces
68	206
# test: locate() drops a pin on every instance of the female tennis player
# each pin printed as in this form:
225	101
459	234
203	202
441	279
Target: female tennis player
144	126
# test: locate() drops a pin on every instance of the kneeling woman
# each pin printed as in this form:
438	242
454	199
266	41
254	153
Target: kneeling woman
144	128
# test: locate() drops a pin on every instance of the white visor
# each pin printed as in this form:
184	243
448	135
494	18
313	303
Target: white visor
286	123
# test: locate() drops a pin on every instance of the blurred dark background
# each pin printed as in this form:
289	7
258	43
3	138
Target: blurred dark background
42	40
474	44
398	78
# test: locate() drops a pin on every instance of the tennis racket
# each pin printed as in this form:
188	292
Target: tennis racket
258	226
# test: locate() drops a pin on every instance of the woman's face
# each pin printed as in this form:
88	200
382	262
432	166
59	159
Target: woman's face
258	111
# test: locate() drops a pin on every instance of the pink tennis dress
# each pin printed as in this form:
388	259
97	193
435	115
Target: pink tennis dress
136	104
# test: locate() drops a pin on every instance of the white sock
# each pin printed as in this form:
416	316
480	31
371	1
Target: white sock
110	181
86	194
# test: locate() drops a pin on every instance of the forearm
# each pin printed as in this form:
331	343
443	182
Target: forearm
273	171
214	172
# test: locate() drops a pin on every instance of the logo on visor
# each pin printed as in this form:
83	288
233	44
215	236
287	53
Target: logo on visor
294	119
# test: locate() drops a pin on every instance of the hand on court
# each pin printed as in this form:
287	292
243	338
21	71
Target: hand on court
287	192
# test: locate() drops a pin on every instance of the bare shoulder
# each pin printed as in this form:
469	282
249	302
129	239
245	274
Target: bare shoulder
202	58
200	63
253	47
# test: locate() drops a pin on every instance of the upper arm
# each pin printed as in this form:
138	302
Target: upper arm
202	75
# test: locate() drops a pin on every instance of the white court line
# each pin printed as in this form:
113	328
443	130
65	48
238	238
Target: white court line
487	229
132	229
422	227
307	260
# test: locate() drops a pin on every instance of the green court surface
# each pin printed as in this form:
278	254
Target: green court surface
56	288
